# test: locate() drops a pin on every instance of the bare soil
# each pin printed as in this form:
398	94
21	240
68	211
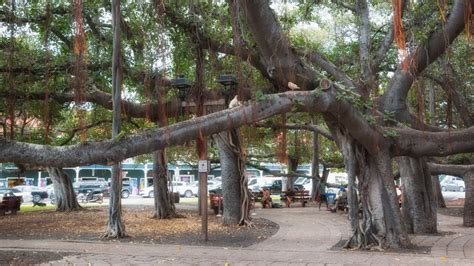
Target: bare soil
90	224
452	211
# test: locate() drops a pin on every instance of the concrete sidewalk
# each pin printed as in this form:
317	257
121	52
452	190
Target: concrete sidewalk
306	236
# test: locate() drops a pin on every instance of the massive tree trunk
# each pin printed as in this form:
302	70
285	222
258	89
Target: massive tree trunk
65	197
468	219
390	231
115	225
234	181
164	205
419	205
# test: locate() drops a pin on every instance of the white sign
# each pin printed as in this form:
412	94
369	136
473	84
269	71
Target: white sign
203	166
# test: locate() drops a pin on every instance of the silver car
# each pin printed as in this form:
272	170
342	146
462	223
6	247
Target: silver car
453	183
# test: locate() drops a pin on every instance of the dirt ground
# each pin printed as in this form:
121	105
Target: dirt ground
452	211
89	225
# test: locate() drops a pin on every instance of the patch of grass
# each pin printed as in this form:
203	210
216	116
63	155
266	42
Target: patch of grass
188	201
30	208
51	207
275	198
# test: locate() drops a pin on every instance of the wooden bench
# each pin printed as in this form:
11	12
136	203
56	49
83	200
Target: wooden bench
299	196
10	204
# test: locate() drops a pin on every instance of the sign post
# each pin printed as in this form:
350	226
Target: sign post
203	167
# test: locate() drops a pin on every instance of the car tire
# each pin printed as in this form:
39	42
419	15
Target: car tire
461	189
36	198
443	189
188	193
125	194
151	194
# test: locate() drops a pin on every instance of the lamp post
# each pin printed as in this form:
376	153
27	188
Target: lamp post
183	85
227	80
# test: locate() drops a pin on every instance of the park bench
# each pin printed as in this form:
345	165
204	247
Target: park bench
10	204
299	196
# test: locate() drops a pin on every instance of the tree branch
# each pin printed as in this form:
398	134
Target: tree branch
383	49
283	64
394	99
364	48
76	130
317	59
415	143
409	142
450	169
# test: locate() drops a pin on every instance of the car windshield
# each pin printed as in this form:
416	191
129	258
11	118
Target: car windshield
301	180
268	182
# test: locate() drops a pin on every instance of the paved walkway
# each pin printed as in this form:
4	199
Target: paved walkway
305	237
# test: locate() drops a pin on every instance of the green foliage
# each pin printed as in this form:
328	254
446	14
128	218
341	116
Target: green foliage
390	133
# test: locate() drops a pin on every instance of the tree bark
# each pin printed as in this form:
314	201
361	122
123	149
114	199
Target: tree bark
396	234
372	186
419	204
163	199
65	197
441	203
293	162
115	226
316	178
390	233
231	166
468	218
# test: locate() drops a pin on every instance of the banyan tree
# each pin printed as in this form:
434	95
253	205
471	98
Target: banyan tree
391	84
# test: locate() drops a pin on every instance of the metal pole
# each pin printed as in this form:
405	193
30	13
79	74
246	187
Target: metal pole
203	196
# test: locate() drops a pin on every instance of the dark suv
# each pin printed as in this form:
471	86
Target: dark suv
274	186
126	189
91	186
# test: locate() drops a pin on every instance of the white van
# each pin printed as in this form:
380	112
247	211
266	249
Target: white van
337	178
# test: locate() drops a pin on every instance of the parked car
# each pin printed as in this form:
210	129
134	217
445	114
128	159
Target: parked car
453	183
32	193
274	185
182	188
126	189
10	191
49	189
83	187
191	190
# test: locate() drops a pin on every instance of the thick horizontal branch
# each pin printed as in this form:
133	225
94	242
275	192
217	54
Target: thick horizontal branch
409	142
450	169
131	109
109	151
415	143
